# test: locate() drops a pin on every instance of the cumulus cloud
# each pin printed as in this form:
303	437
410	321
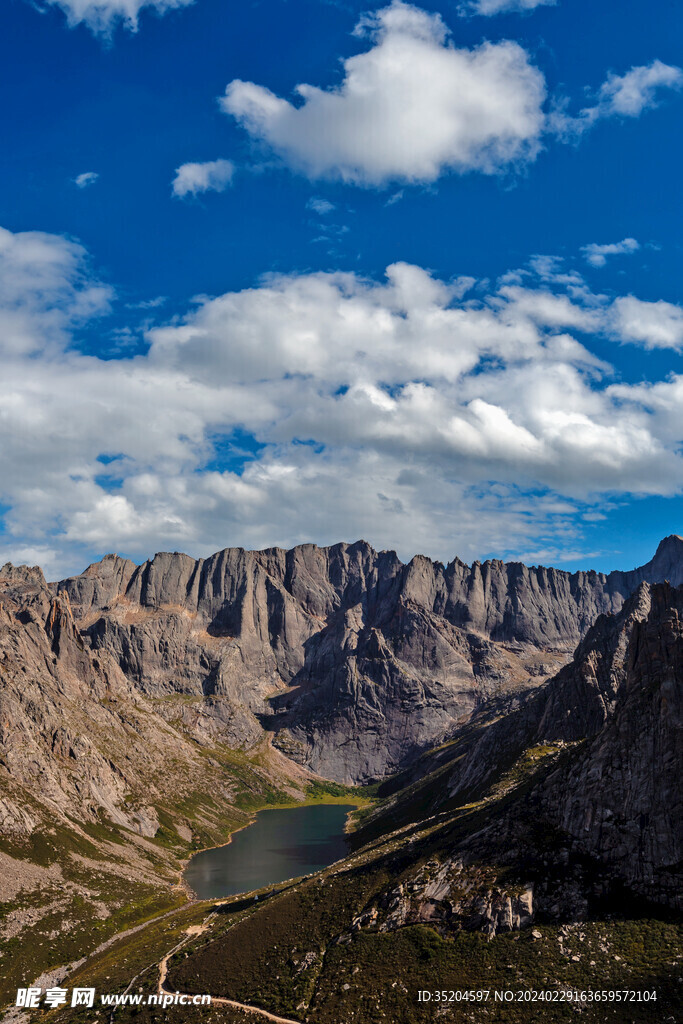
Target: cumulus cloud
491	7
102	16
212	176
45	291
597	255
417	412
409	108
86	179
621	96
630	94
652	324
415	106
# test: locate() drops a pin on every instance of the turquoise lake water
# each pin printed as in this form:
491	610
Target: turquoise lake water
281	844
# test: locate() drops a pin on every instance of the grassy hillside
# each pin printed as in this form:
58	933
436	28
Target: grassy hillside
77	884
355	942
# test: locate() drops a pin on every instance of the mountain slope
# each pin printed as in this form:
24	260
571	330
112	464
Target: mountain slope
137	705
356	662
611	725
101	797
568	862
622	800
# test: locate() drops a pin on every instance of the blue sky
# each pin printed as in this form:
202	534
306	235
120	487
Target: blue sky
202	343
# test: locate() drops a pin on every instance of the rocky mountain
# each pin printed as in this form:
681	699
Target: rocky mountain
354	661
56	701
547	843
78	739
101	797
608	731
621	799
147	710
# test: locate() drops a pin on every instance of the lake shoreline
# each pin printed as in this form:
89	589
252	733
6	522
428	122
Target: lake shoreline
337	833
352	801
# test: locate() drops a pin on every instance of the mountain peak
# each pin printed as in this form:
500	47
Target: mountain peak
673	542
667	563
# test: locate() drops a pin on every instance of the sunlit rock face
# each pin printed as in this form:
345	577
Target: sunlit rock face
353	662
79	742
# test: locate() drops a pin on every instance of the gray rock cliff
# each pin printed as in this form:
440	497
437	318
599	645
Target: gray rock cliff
352	660
621	798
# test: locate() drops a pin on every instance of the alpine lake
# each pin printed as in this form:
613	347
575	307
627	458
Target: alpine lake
280	844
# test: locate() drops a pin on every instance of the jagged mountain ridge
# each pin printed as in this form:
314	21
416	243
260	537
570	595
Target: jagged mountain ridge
505	601
356	661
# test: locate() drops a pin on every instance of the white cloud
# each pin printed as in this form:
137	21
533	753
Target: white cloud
160	300
408	109
491	7
44	292
86	179
102	16
414	106
622	96
48	559
419	413
597	255
212	176
653	324
630	94
320	206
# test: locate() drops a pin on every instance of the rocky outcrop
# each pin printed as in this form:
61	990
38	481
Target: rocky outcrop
453	897
575	705
607	733
79	742
620	798
355	662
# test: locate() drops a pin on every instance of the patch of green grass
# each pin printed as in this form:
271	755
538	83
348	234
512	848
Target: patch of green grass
320	789
50	845
65	933
376	977
101	830
259	958
135	955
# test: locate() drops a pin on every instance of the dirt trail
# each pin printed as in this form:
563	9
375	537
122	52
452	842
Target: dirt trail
197	929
